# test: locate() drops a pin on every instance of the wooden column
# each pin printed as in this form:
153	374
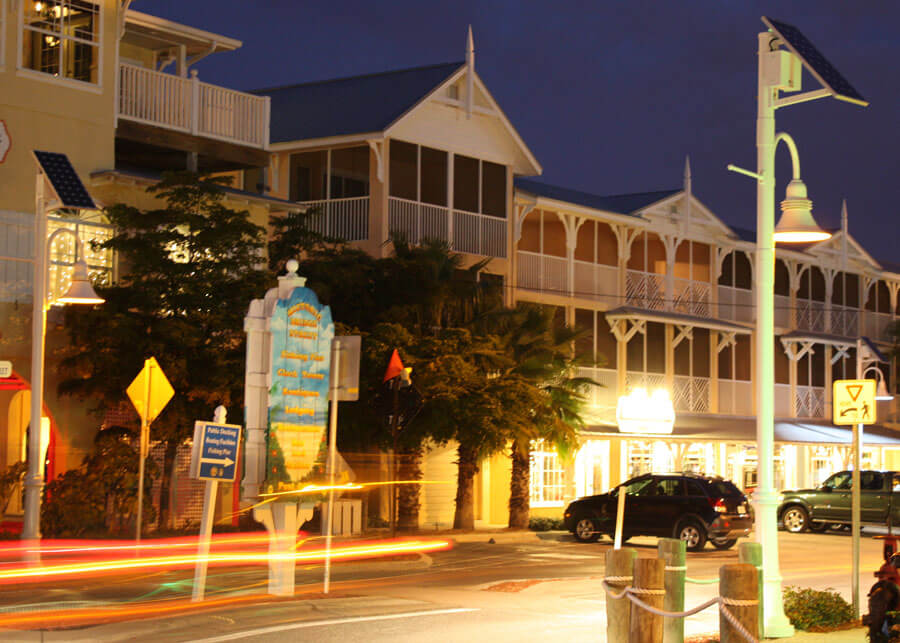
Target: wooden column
619	564
739	582
645	626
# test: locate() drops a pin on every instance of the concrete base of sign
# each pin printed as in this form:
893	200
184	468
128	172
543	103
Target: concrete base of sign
282	520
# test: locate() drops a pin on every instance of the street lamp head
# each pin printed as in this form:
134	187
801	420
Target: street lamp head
797	224
81	291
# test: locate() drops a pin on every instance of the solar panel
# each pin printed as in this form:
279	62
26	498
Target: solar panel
823	70
68	187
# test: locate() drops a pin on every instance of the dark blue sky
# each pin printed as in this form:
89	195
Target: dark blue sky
611	95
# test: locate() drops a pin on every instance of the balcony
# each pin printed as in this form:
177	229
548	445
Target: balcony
542	273
189	106
477	234
346	219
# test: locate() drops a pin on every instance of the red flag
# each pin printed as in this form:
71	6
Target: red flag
395	366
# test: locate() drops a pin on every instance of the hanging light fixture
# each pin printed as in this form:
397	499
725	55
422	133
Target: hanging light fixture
81	291
797	224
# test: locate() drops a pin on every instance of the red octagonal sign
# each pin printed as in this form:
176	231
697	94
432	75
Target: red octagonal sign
5	141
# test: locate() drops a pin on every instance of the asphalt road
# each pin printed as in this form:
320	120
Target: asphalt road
478	591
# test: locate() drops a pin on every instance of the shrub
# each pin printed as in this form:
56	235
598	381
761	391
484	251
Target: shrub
812	609
545	524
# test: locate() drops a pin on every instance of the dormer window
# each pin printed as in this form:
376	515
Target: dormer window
62	38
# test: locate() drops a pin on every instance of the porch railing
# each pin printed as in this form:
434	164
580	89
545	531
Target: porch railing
811	315
649	381
596	281
691	297
691	394
809	402
542	273
645	289
346	219
477	234
736	397
736	304
876	325
188	105
844	321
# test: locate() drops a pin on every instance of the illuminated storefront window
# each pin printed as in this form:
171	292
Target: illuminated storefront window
91	230
548	477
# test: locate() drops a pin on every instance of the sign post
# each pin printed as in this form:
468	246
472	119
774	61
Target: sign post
854	404
213	459
150	391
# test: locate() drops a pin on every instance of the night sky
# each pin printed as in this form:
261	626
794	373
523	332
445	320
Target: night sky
611	96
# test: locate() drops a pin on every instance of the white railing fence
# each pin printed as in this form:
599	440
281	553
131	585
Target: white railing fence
418	221
542	273
736	397
479	234
844	321
811	315
596	281
877	324
736	304
645	289
346	219
649	381
601	400
188	105
810	402
691	297
783	400
691	394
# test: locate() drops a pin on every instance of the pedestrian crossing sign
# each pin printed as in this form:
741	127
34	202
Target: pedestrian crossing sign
854	402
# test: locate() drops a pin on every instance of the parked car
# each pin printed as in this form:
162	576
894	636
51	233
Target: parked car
689	506
828	506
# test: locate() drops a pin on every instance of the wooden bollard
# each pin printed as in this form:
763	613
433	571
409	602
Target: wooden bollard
672	551
751	553
737	582
647	627
619	564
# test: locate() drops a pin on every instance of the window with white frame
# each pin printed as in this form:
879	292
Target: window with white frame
92	230
548	476
62	38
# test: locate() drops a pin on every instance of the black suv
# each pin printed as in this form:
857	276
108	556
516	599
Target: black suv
689	506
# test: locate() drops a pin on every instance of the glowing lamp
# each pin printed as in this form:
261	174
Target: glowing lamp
797	224
81	291
641	412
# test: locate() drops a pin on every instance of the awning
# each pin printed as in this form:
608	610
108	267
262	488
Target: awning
707	428
668	317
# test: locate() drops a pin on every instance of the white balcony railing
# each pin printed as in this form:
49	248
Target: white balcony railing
691	297
542	273
736	397
601	400
782	400
596	281
844	321
649	381
877	324
691	394
645	289
783	313
809	402
811	315
477	234
736	304
188	105
346	219
418	221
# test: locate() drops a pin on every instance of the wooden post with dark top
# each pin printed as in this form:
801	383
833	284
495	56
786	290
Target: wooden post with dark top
672	551
751	554
619	563
738	582
647	627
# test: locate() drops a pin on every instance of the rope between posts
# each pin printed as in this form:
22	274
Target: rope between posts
676	568
721	600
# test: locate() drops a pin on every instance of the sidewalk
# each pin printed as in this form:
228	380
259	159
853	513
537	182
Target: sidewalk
856	635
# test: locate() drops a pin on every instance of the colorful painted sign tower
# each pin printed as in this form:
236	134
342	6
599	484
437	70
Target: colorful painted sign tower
302	331
289	337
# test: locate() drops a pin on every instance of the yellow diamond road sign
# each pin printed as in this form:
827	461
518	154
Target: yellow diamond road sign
150	383
854	402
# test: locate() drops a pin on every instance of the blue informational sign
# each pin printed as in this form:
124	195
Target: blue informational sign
302	331
215	451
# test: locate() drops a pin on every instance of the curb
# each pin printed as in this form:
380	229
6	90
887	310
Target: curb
497	537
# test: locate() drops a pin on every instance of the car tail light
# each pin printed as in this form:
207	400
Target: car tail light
719	505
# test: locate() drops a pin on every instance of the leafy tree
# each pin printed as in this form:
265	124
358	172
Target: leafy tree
188	271
101	495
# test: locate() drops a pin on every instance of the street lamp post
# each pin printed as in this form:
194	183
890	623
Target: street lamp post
80	292
779	70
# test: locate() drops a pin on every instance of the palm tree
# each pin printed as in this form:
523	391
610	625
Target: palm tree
542	354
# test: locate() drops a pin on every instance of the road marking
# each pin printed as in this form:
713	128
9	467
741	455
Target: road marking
334	621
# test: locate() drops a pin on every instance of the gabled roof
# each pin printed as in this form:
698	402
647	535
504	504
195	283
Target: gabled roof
620	203
354	105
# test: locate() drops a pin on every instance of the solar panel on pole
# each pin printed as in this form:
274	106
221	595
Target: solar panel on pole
814	61
65	182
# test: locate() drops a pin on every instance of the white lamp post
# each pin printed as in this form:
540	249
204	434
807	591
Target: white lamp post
80	292
779	70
